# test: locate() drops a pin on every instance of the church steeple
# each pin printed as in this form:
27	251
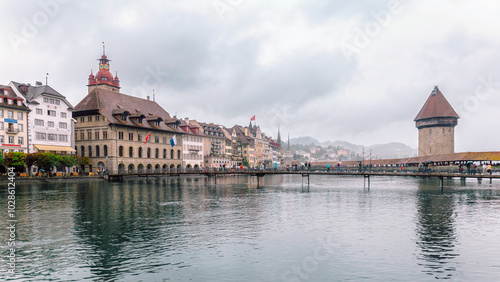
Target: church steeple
104	78
279	136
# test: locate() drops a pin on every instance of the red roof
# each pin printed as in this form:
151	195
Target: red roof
436	106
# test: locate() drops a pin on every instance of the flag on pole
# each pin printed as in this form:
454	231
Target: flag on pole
253	118
147	137
173	141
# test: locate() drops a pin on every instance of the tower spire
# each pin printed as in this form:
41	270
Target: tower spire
279	136
103	49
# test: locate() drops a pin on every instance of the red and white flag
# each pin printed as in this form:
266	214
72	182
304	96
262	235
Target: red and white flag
147	137
253	118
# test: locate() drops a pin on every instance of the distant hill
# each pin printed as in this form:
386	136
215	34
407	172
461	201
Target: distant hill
384	151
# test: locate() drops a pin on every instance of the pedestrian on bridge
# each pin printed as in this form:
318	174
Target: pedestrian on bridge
327	167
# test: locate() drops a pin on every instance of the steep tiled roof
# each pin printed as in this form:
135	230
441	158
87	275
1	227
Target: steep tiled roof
112	104
33	91
436	106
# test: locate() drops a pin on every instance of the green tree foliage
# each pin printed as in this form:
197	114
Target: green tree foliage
67	161
47	161
30	161
1	159
16	160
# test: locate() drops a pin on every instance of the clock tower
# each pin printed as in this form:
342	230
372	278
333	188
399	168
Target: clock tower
103	79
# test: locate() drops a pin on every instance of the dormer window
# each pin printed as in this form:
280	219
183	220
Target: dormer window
157	123
123	117
139	120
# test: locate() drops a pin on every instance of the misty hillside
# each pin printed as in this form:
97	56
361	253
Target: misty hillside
384	151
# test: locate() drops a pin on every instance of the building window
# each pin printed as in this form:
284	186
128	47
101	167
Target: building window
120	135
63	125
139	120
20	127
124	117
96	135
105	150
157	123
96	118
63	115
89	135
11	139
149	153
51	113
1	113
130	152
58	102
82	119
157	153
2	140
140	152
40	136
38	122
164	140
97	151
157	139
82	149
1	125
179	154
20	140
45	99
19	116
131	136
104	135
172	154
120	151
10	101
82	135
89	118
139	137
50	124
63	138
164	153
90	151
52	137
10	114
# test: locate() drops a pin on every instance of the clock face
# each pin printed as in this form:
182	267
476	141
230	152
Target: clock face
106	66
101	66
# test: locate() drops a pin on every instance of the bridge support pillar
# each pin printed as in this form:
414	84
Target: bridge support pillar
441	184
366	178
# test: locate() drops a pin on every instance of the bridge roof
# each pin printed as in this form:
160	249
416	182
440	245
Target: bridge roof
456	157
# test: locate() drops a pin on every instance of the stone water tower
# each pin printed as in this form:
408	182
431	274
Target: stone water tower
436	123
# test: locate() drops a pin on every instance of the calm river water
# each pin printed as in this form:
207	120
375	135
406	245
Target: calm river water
401	229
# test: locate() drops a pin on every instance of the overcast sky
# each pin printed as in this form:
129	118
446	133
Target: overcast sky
336	70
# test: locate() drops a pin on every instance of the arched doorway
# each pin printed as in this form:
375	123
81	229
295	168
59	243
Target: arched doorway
196	167
149	168
179	168
140	168
121	168
172	168
131	168
157	168
100	167
188	168
165	168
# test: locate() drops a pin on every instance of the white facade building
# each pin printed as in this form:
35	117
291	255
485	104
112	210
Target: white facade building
192	145
50	122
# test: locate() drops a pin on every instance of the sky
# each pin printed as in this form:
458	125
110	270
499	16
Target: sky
357	71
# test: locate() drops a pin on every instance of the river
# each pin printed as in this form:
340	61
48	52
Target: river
191	229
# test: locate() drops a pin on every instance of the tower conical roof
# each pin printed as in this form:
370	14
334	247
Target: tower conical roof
436	106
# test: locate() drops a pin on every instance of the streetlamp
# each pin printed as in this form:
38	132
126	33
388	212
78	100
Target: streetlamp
370	159
363	162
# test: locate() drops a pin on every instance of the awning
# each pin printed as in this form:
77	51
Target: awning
54	148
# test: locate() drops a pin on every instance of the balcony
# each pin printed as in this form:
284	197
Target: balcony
12	130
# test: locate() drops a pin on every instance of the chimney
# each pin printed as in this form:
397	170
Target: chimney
38	83
186	120
148	98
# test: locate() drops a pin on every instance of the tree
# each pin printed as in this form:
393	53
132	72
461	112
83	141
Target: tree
30	161
46	161
67	161
82	162
1	158
16	160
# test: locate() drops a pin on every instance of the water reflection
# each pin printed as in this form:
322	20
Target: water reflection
436	235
